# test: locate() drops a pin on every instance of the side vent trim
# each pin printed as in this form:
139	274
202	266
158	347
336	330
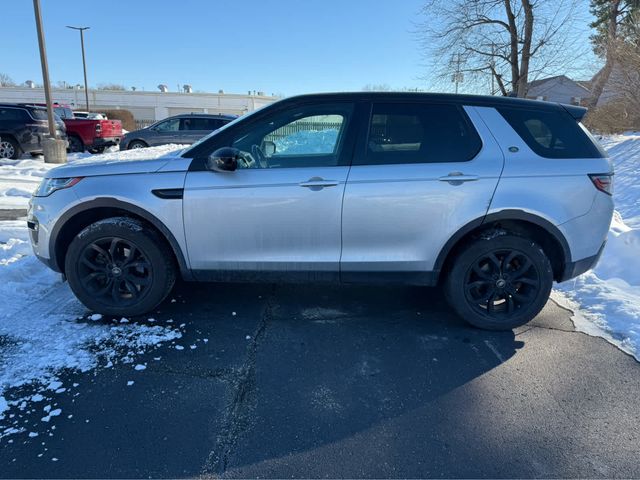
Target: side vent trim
169	193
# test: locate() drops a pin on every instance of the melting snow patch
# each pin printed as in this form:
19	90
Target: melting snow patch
140	367
95	317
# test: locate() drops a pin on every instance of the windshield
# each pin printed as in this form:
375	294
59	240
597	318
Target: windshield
39	113
63	112
224	127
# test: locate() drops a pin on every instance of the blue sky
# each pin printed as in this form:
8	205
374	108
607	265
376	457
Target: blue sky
283	47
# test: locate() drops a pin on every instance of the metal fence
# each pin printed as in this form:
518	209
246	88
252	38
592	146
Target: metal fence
296	127
143	123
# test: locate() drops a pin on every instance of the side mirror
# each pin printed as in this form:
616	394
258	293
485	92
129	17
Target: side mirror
269	148
224	159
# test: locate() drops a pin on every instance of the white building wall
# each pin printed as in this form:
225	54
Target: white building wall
143	105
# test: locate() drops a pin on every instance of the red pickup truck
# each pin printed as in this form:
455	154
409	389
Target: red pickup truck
85	134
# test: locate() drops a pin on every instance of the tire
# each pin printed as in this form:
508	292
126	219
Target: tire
75	144
500	281
97	149
9	148
136	144
120	266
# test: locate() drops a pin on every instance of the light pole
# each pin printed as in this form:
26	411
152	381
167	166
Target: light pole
53	148
84	62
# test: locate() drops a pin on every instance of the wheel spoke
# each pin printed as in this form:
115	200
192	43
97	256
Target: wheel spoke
92	276
131	287
93	266
480	273
130	257
112	248
115	291
497	263
521	270
101	251
141	281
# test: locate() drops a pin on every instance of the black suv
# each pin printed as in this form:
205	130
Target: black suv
22	129
183	129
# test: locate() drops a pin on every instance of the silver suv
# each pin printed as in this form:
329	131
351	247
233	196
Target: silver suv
492	198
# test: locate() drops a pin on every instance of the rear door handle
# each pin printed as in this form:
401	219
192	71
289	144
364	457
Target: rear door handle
318	183
457	178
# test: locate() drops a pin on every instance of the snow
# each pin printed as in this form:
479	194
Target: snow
606	300
44	330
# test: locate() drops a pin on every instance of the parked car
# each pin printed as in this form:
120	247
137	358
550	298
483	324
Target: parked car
22	129
493	198
182	129
88	134
89	115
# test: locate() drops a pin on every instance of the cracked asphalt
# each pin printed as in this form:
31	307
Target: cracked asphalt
328	381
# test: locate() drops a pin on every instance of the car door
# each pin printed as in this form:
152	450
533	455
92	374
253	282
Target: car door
164	132
424	171
279	214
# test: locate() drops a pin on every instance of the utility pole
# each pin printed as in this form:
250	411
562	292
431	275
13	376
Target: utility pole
54	149
84	62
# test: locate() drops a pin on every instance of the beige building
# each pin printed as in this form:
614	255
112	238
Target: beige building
145	106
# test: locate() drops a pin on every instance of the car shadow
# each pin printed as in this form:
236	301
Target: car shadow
329	363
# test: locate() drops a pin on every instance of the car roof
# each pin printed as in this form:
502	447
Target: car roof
205	115
21	105
460	99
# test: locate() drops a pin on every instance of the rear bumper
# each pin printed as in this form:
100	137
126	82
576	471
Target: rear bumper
573	269
105	142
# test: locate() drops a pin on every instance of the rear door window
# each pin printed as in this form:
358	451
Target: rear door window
550	133
198	124
13	114
419	133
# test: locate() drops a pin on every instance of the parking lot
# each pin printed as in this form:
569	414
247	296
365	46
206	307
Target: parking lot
322	381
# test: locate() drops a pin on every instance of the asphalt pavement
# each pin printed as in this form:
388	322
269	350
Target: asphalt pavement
330	381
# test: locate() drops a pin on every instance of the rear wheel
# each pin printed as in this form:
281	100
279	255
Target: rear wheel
137	144
75	144
120	266
9	148
499	282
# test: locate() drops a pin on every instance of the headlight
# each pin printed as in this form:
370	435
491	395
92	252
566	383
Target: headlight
50	185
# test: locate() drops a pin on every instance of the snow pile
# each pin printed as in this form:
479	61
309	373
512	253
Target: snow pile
19	178
607	299
44	330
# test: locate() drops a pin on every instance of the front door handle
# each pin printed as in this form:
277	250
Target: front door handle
457	178
318	183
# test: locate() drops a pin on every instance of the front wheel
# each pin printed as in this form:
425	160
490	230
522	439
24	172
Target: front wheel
120	266
9	148
499	282
75	144
137	144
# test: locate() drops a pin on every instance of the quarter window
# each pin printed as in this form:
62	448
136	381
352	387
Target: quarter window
551	134
420	133
14	114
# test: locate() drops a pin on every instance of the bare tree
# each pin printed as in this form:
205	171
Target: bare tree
6	81
624	80
612	17
111	86
508	42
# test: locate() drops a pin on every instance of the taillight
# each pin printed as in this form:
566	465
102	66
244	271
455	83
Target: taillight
603	182
98	129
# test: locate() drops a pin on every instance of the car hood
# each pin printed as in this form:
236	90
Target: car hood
92	168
